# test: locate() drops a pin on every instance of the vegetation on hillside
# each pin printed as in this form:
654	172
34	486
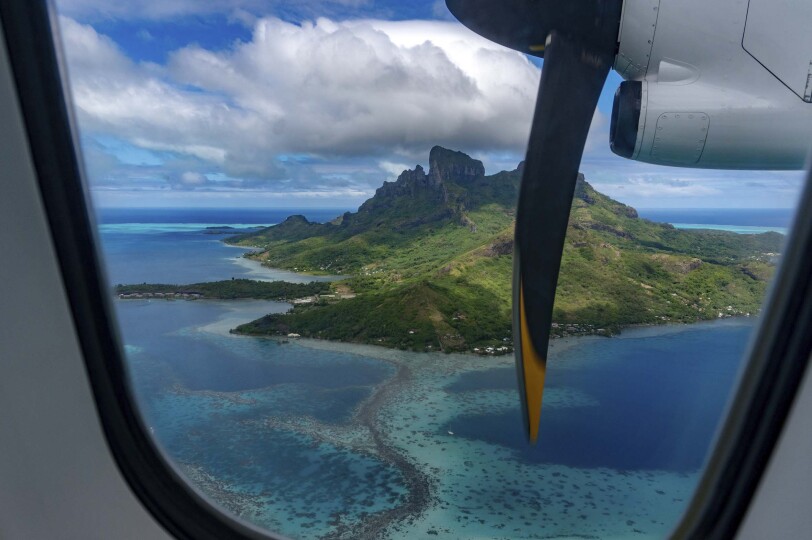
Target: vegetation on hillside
430	257
231	289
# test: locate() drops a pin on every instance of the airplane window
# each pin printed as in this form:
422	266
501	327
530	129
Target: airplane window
307	214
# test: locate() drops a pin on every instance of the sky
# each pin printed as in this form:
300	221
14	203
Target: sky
315	103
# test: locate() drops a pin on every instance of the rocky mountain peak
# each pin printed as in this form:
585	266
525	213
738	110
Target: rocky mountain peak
449	165
445	166
410	183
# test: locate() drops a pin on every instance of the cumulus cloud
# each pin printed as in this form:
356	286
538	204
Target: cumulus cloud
326	89
368	87
674	187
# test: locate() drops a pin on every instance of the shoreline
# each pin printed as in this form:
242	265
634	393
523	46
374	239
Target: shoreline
373	431
260	272
256	267
375	418
230	320
556	345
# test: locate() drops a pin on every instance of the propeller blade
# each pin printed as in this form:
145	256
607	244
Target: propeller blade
571	81
580	42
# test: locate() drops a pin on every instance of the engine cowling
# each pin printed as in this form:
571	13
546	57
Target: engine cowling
698	125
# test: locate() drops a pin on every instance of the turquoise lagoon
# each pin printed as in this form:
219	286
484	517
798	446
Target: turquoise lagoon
739	229
327	440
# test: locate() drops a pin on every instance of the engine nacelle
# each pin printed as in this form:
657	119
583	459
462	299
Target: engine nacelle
697	125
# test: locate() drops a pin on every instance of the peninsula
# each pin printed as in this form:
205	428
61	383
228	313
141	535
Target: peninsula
230	289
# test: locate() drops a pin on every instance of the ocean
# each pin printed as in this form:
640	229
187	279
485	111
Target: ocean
742	221
170	245
327	440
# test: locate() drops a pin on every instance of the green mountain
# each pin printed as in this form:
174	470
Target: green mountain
430	260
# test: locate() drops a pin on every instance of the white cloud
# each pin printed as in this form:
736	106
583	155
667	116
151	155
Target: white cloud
393	170
324	112
207	153
324	89
652	188
369	86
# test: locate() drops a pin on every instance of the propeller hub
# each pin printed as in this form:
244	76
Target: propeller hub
524	25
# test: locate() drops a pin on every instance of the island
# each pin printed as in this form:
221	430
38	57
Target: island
426	265
430	260
429	265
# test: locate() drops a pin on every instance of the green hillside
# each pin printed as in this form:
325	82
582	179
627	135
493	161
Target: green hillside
431	260
232	289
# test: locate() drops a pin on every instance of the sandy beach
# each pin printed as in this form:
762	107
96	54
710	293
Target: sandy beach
240	312
260	272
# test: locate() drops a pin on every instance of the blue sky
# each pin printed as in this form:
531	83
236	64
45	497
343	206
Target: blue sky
317	102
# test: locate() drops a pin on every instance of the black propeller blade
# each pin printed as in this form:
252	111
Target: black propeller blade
571	82
578	50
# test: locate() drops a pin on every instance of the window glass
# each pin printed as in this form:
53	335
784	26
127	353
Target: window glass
306	214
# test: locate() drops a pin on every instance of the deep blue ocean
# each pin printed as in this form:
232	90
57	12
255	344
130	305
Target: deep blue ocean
745	221
215	216
757	217
265	427
660	400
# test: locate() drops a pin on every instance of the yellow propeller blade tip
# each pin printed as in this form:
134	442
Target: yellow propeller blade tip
535	369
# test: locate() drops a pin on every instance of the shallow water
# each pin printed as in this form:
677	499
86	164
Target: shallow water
270	431
213	402
624	431
739	229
